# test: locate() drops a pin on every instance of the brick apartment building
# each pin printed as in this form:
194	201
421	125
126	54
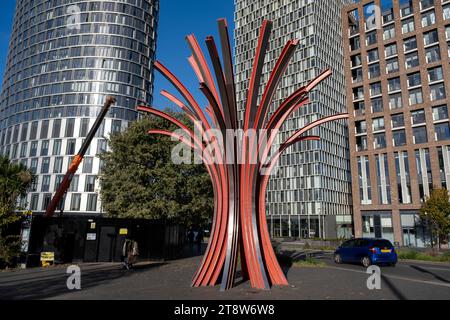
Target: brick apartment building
397	56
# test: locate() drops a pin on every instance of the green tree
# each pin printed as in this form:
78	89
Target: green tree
435	213
15	181
139	179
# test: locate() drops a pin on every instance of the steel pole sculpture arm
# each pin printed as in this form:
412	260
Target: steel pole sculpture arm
64	186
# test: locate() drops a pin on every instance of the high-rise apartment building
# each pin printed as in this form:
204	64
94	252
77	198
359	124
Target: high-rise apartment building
64	58
397	57
311	194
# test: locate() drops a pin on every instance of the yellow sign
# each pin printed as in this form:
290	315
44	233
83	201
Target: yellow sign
47	258
123	232
92	225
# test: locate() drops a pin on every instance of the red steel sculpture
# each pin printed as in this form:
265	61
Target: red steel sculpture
239	221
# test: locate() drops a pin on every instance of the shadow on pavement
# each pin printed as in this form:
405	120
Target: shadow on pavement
393	288
48	285
429	272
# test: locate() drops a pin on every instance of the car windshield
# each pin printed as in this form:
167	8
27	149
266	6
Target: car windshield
382	244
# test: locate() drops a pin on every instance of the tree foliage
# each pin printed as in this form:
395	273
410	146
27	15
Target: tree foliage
139	179
436	213
15	181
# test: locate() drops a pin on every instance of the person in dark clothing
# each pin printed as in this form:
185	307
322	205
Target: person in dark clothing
199	240
190	237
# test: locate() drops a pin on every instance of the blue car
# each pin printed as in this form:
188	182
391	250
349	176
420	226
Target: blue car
366	251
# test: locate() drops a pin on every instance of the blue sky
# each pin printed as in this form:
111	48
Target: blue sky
177	19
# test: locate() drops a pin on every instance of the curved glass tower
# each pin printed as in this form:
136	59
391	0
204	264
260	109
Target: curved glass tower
64	58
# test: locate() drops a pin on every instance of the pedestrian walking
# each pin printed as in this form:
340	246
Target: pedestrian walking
130	253
190	237
199	241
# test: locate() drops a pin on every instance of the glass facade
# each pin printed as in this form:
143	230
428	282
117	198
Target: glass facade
312	185
64	58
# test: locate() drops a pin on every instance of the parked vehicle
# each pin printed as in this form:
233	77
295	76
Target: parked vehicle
366	251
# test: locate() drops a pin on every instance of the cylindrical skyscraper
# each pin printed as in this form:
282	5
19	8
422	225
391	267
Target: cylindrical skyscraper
64	58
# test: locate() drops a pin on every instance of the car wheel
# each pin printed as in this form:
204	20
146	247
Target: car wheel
392	265
366	262
337	258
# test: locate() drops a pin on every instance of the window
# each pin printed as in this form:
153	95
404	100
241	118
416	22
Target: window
33	149
394	84
377	105
428	18
75	202
355	43
353	19
408	25
378	124
425	4
418	117
435	74
361	143
374	70
117	124
33	165
398	120
23	150
433	54
406	8
395	101
384	187
430	37
403	176
357	76
70	125
56	131
34	202
57	167
437	92
371	38
375	88
420	135
56	147
91	202
390	50
74	184
372	55
45	165
46	201
102	146
87	164
90	184
447	32
33	131
415	97
360	127
84	127
414	79
356	60
410	44
411	60
70	149
399	137
44	129
45	187
446	12
389	32
44	148
440	113
379	141
392	65
358	93
365	193
442	131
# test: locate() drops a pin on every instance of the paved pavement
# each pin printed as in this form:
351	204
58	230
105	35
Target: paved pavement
409	280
